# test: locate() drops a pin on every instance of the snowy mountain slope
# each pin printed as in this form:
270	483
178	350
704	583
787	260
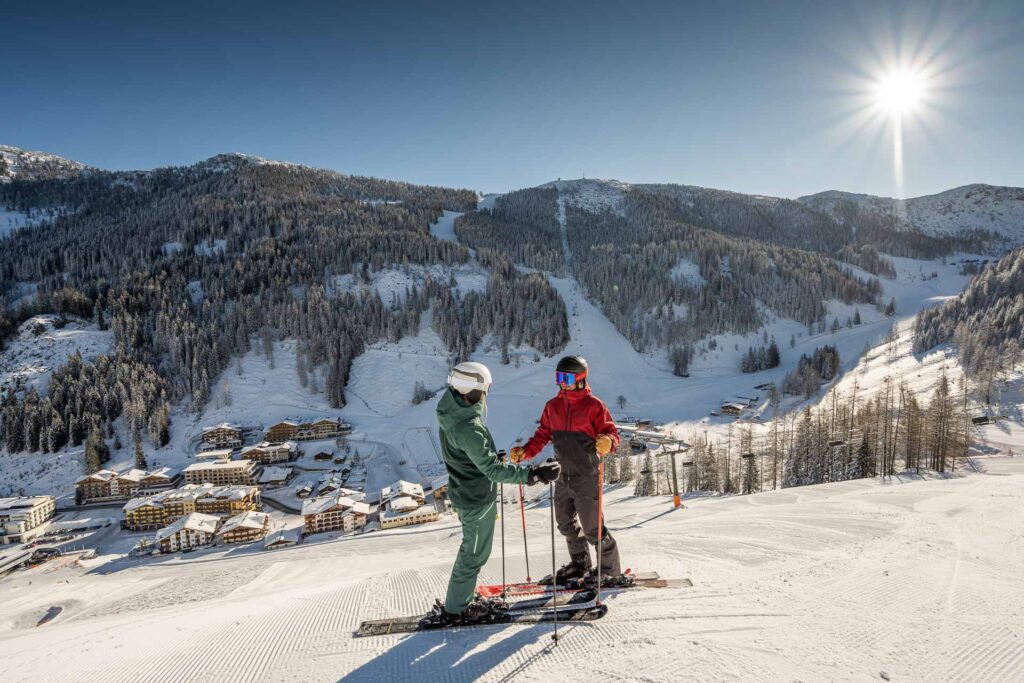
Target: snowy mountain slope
816	583
42	344
21	164
995	209
230	161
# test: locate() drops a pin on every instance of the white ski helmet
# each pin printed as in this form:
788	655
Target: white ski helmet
467	377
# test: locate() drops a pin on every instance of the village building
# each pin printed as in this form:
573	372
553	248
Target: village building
267	453
154	512
221	472
390	518
275	476
282	538
191	531
324	455
244	528
211	454
224	435
107	485
440	487
333	512
402	488
336	482
305	490
306	430
22	517
732	408
403	504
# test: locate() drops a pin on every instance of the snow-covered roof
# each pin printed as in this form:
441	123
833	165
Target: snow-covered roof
246	520
195	492
361	508
215	454
23	502
223	425
219	465
266	445
163	472
289	536
196	521
296	421
275	474
101	475
403	503
401	488
316	506
136	503
133	475
393	514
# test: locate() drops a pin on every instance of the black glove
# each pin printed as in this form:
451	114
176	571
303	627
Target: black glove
544	473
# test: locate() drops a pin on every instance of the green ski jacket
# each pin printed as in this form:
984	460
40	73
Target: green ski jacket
469	453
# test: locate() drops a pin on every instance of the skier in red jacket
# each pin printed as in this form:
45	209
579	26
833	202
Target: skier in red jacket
581	429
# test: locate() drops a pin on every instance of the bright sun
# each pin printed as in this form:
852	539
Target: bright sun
900	91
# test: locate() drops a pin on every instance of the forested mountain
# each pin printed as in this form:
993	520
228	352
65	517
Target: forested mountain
191	266
986	321
978	213
666	281
25	165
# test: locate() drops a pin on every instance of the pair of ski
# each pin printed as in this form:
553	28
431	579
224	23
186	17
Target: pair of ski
562	604
570	606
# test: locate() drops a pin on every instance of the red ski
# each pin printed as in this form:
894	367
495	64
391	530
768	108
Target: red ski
514	590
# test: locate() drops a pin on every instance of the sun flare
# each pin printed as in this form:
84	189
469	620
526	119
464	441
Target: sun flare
900	91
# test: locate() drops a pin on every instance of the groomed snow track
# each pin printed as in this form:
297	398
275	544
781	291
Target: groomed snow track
919	579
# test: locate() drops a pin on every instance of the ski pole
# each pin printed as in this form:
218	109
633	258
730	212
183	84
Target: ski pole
554	578
522	516
600	522
502	494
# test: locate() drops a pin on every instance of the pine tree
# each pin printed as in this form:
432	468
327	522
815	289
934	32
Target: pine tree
611	468
140	457
626	469
93	454
645	483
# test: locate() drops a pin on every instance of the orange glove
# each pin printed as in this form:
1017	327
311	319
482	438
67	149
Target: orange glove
604	445
517	454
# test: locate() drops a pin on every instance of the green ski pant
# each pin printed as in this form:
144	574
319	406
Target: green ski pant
477	535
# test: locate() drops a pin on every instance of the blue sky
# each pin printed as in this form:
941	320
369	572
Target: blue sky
760	97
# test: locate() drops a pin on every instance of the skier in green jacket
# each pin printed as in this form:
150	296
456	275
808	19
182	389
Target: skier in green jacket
473	470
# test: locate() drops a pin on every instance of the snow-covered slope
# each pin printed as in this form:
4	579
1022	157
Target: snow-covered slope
230	161
972	207
816	583
26	165
44	343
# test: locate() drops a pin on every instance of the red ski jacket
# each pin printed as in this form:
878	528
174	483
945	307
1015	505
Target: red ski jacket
572	421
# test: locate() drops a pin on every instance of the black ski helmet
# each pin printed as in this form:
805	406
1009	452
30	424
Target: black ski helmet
577	366
572	364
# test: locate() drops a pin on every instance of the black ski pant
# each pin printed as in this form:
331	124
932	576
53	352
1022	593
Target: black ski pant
576	514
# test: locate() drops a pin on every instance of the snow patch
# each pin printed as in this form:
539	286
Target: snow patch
687	273
392	283
42	345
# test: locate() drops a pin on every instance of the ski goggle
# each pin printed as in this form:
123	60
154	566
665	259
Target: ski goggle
569	379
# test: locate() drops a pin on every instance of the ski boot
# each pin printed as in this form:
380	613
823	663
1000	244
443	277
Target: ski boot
570	575
609	580
480	611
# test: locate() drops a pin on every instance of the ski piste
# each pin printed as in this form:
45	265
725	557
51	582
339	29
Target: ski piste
642	580
566	613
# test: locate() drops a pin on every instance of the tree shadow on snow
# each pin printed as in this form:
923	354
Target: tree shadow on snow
444	655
